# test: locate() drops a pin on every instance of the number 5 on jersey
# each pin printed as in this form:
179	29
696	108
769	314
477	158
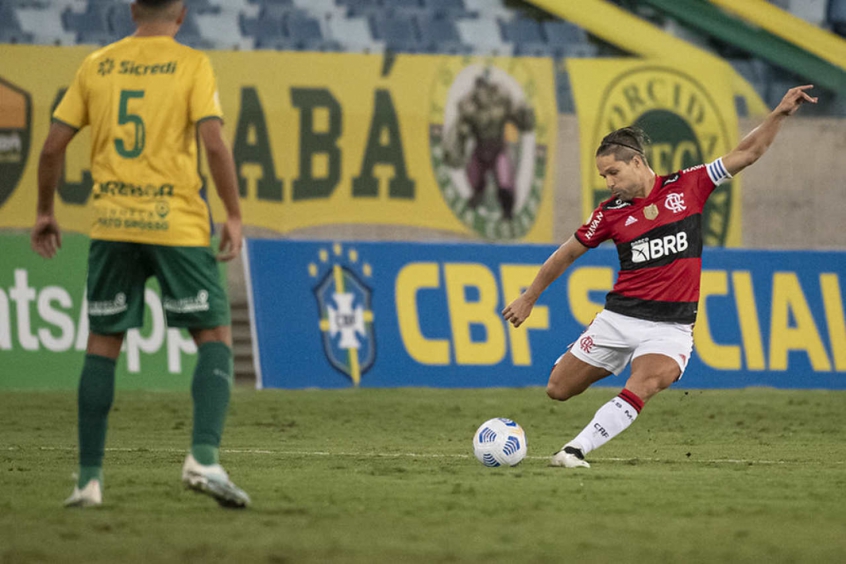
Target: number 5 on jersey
125	117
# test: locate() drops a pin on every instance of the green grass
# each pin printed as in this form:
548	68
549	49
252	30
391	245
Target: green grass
387	476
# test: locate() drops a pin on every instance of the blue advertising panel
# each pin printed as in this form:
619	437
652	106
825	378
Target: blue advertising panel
333	315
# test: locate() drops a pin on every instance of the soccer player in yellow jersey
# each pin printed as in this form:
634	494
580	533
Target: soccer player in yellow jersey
146	99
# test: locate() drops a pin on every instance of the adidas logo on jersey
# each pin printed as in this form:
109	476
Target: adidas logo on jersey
631	219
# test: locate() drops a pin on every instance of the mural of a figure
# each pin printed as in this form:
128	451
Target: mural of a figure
483	115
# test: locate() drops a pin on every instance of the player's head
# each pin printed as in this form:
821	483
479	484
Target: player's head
621	161
625	144
158	11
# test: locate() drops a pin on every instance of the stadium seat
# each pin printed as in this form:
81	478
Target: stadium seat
483	35
403	7
358	8
202	6
399	33
44	24
92	25
527	37
490	9
219	29
10	26
354	34
320	8
812	11
450	9
568	40
120	20
439	35
268	31
304	33
836	16
189	34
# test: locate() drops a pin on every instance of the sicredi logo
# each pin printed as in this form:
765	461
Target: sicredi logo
647	249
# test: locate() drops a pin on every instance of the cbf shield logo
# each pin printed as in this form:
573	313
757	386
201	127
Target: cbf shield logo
15	123
346	315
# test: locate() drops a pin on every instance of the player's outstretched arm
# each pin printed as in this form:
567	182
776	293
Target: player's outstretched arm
519	310
46	238
759	139
222	166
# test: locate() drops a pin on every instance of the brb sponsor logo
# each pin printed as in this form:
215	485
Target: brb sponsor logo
15	133
489	146
686	127
346	314
644	250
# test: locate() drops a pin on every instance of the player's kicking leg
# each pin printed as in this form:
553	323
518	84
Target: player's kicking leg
651	373
570	377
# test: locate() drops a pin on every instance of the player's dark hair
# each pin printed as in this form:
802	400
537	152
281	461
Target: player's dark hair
624	144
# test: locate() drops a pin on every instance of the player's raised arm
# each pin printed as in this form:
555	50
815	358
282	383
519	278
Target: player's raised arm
46	237
222	166
519	310
759	139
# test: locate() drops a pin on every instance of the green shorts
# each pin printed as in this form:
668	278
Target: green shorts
192	295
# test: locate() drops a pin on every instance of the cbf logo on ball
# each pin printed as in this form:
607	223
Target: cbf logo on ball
346	316
15	125
488	145
685	126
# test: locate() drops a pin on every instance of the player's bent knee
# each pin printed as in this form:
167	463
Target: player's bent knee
558	392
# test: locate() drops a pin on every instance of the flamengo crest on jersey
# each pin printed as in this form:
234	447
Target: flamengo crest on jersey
660	259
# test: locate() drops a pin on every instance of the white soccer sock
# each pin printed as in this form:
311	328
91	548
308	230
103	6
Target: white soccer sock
612	419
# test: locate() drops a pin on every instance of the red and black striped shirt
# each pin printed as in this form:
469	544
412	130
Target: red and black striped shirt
659	242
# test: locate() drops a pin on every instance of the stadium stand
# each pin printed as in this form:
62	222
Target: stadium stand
440	35
477	27
836	16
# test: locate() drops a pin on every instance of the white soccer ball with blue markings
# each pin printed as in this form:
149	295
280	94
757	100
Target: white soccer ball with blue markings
500	442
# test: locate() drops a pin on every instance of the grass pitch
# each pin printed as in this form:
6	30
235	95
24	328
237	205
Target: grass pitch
388	476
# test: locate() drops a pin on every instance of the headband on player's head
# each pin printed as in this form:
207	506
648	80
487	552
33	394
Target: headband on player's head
638	151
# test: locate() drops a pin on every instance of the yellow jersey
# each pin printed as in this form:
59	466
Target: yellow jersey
143	98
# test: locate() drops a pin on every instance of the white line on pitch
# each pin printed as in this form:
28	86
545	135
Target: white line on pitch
420	455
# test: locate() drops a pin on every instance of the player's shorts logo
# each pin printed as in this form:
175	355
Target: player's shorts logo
686	128
586	343
489	146
15	132
346	315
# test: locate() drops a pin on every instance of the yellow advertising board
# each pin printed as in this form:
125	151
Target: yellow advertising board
455	144
689	121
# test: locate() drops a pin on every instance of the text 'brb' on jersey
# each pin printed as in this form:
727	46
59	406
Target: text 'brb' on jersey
143	98
659	242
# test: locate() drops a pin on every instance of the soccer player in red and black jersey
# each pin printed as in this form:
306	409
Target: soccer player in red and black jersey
656	224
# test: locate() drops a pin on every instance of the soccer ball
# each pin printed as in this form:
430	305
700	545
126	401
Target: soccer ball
500	442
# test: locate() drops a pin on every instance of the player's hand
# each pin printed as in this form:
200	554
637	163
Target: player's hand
46	238
519	310
230	240
794	98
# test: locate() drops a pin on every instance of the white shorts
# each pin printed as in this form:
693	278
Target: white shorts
612	340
